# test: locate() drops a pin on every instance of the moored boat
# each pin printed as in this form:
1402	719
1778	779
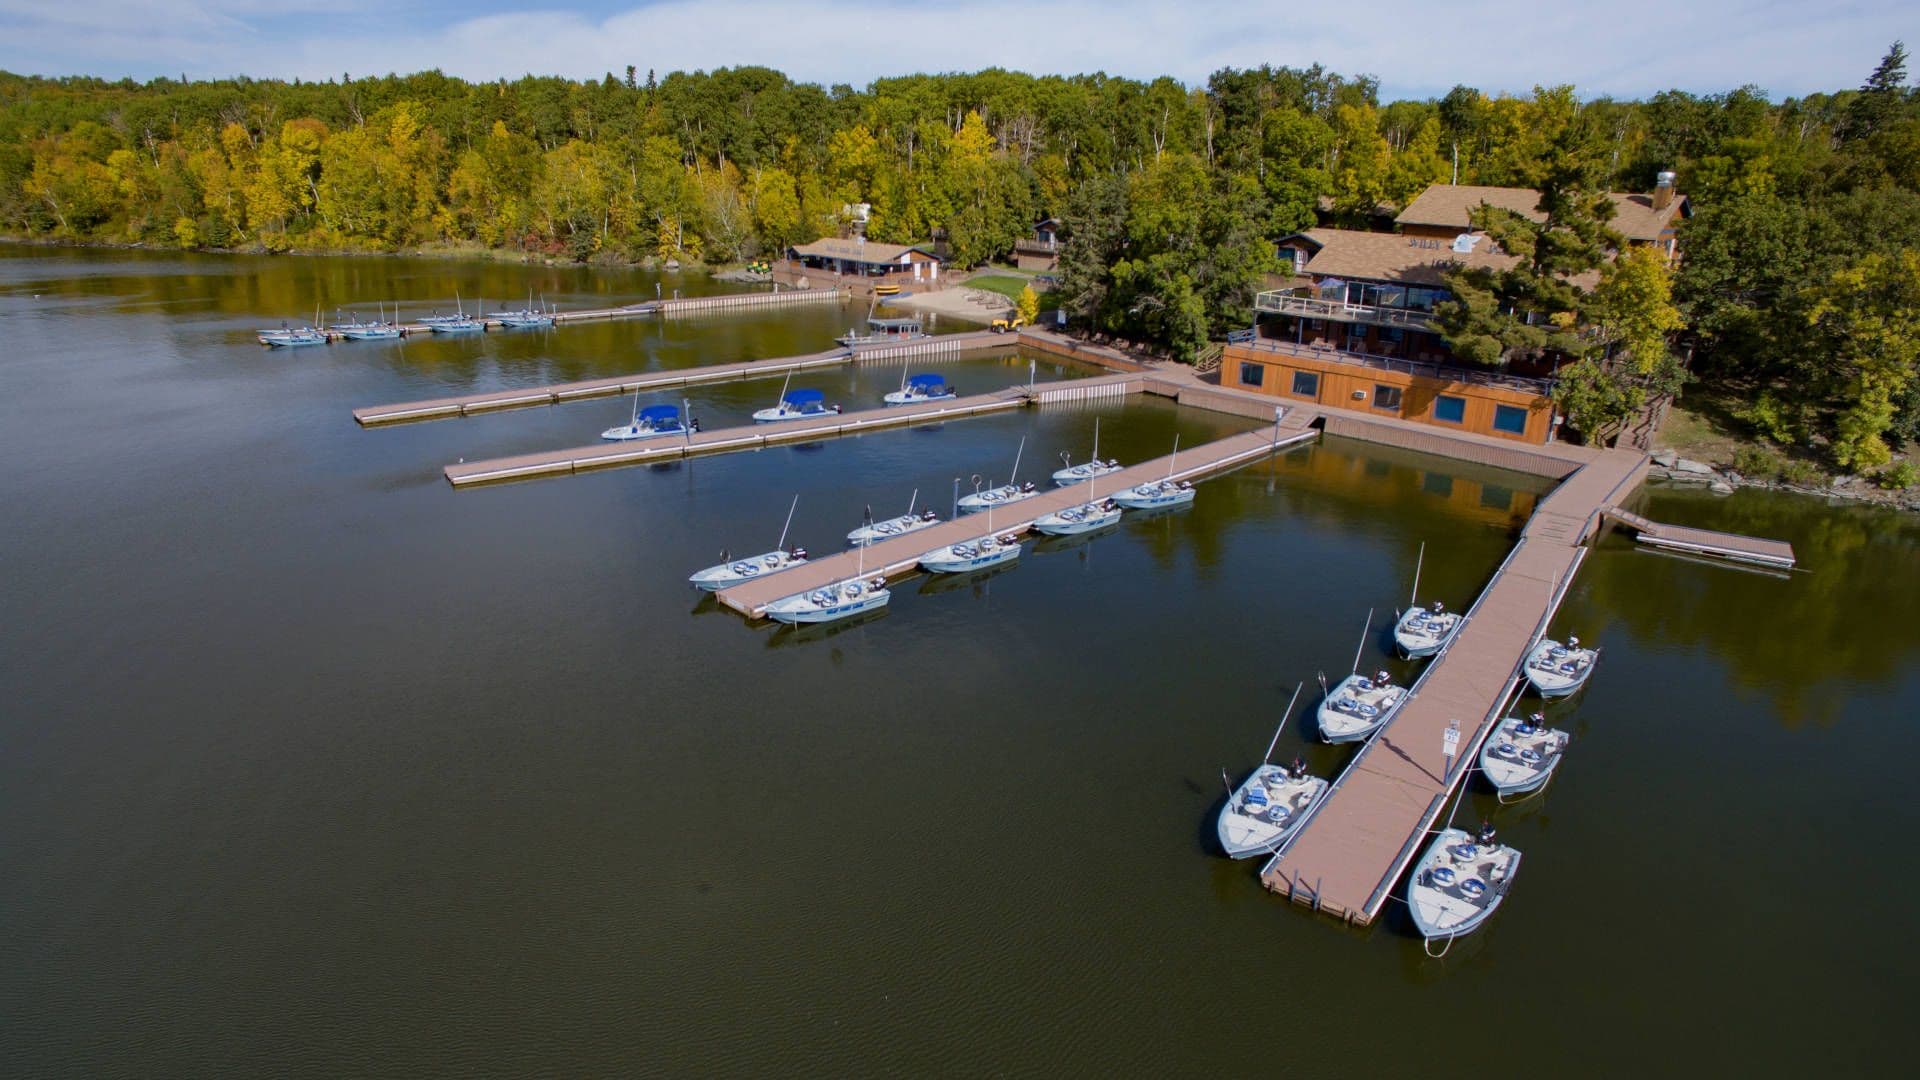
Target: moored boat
883	332
1421	632
974	555
1091	469
1265	811
292	337
875	531
839	600
1521	754
1460	881
728	572
796	405
1357	705
1158	494
1556	670
1009	492
651	422
919	388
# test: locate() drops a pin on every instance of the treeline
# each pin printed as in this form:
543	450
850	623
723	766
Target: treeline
1807	208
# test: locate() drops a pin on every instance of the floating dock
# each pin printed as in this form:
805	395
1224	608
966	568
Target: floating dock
679	305
1378	815
722	440
943	346
901	555
1756	551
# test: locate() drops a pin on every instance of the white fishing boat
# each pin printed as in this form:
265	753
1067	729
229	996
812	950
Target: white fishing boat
975	555
651	422
457	324
840	600
1459	882
1263	813
1009	492
1088	470
1095	513
358	329
292	337
1158	494
1521	754
378	330
1357	706
1423	631
883	332
1556	670
919	388
875	531
527	318
728	572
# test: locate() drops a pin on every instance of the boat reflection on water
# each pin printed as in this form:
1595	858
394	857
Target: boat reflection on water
944	583
785	634
1050	545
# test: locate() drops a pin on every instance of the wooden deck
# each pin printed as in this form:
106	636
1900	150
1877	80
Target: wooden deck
890	558
1773	554
605	455
1377	817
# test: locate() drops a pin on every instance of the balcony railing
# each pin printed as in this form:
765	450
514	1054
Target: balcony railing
1451	373
1284	303
1037	247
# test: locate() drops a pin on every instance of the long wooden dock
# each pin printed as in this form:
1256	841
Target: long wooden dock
1378	816
900	555
721	440
943	346
1773	554
676	306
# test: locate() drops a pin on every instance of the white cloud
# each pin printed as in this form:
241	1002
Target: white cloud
1629	48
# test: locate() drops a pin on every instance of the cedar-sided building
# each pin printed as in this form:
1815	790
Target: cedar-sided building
1353	325
1041	251
858	263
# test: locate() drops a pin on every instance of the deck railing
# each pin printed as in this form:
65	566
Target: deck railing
1246	339
1279	302
1037	247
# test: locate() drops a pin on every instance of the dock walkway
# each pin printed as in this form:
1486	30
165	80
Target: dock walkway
1376	819
1775	554
721	440
617	385
900	555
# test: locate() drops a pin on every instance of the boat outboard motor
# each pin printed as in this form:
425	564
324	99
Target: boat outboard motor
1027	486
929	515
1439	608
798	553
1381	679
1486	835
1573	642
1297	770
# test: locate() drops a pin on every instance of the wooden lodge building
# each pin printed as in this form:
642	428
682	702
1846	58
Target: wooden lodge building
1353	327
1041	251
858	264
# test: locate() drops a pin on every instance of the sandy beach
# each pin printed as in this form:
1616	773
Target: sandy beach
973	305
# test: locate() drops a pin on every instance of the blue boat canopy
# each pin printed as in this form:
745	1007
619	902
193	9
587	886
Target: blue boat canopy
660	412
802	397
927	380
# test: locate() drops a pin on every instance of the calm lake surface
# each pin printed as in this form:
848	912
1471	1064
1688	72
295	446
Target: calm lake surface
311	765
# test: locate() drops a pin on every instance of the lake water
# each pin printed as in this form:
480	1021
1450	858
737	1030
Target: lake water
311	765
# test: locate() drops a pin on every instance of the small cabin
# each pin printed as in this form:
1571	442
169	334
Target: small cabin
1041	252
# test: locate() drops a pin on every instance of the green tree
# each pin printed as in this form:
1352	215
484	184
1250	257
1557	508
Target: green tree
1864	323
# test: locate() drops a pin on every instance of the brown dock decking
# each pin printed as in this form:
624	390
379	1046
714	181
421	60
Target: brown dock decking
901	554
616	385
1376	819
1775	554
720	440
613	386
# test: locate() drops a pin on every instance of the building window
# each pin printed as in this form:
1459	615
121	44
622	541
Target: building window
1252	374
1449	409
1386	397
1306	384
1357	340
1391	334
1511	419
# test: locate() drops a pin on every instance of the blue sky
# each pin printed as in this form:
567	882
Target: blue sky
1626	48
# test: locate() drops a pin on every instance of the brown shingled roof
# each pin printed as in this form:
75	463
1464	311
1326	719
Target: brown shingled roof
858	251
1411	260
1448	206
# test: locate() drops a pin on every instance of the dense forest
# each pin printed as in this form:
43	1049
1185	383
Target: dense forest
1797	297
